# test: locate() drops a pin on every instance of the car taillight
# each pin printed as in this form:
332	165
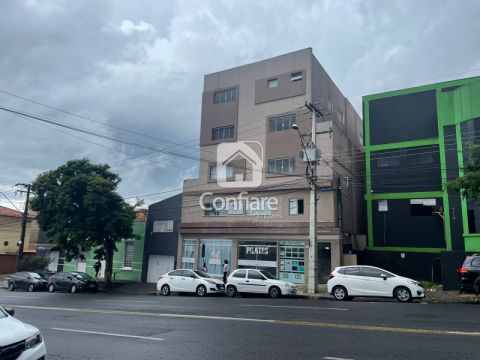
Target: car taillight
161	277
330	276
462	270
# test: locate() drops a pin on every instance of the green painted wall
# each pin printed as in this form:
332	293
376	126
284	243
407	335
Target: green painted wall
460	104
120	272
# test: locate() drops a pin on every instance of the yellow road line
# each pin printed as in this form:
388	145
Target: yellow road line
268	321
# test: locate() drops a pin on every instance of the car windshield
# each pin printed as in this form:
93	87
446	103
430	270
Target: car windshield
268	275
202	274
81	275
3	314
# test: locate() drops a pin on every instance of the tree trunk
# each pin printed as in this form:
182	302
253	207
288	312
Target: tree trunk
108	266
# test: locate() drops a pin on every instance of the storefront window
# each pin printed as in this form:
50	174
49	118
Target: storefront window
215	252
292	261
188	255
258	255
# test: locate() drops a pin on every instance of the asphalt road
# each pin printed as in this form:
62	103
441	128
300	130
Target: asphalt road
107	326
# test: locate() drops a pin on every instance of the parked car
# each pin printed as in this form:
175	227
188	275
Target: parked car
469	274
19	340
257	281
31	281
346	282
189	281
72	281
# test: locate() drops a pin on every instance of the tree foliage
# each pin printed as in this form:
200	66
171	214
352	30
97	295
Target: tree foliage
78	205
469	184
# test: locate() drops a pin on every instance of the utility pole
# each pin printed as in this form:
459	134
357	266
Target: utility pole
310	154
24	220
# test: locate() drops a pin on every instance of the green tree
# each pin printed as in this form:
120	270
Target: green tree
469	184
79	207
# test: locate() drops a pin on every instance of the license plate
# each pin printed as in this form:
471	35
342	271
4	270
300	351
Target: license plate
222	287
91	286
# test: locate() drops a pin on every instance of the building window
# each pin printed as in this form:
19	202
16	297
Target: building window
273	83
129	247
215	252
422	207
214	172
292	261
223	132
258	208
420	159
295	76
160	226
281	166
224	96
340	116
295	206
217	210
279	123
388	162
188	254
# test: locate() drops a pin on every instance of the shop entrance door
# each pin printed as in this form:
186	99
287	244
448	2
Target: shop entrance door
324	257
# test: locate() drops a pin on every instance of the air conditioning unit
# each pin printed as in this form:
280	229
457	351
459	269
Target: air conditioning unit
309	154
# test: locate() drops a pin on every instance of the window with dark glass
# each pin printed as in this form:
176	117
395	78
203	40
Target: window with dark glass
295	76
376	273
224	96
352	271
295	206
279	123
240	274
223	132
255	275
281	166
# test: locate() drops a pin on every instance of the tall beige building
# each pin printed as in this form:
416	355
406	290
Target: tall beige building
250	204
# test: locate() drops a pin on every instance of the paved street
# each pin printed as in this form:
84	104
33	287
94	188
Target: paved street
106	326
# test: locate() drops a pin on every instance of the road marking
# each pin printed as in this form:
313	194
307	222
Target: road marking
108	334
267	321
18	297
128	301
298	307
335	358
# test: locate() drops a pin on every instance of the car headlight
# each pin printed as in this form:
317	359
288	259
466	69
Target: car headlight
287	285
33	341
416	283
211	282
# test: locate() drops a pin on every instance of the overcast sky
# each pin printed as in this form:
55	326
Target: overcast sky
139	65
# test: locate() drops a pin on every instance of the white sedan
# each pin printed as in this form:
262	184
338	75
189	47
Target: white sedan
258	282
19	340
347	282
189	281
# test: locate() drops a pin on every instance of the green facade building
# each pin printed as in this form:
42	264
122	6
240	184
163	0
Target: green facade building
127	261
416	140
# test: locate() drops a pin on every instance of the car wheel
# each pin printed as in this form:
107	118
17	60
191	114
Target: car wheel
11	287
274	292
231	291
201	290
402	294
73	289
165	290
31	288
51	288
340	293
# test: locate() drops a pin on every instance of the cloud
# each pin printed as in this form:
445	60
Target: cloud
128	27
140	66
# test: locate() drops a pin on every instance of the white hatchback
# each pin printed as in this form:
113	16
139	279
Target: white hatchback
19	340
256	281
347	282
189	281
